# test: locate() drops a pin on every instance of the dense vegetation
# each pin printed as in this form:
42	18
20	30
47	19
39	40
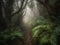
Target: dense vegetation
45	31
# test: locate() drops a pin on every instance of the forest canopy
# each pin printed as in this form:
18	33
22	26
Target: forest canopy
29	22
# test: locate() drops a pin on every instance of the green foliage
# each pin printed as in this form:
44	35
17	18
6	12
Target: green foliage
43	25
54	35
39	29
42	31
45	32
13	34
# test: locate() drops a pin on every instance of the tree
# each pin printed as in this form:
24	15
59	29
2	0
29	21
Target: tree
26	15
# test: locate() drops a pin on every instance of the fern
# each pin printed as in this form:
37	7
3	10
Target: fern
42	31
